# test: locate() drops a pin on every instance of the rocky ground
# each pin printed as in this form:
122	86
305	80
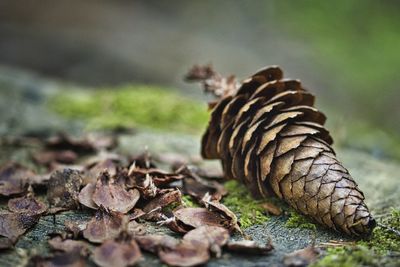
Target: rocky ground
23	110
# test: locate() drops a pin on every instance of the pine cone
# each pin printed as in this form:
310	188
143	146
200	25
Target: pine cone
268	135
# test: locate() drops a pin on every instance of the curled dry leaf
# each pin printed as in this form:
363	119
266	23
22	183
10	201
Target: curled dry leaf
159	178
69	245
196	217
302	257
100	163
63	188
13	179
112	195
231	221
194	248
184	254
13	225
197	187
152	243
117	254
28	204
143	182
214	237
249	247
154	207
105	225
86	194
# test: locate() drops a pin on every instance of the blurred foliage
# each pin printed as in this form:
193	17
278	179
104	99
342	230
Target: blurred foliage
359	40
130	106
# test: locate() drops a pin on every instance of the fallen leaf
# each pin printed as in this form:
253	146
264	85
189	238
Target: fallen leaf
85	196
161	201
198	187
301	257
196	217
27	204
63	188
69	245
214	236
14	178
249	247
13	225
231	221
152	243
184	254
63	141
143	182
105	225
117	254
113	196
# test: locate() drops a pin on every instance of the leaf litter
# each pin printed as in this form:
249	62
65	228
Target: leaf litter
121	193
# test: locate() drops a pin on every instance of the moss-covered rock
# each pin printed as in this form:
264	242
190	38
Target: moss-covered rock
130	106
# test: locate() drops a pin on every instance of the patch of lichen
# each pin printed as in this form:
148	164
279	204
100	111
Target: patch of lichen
130	106
371	252
240	201
297	220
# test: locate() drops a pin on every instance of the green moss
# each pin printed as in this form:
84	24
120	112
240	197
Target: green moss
240	201
372	252
189	202
348	257
297	220
134	105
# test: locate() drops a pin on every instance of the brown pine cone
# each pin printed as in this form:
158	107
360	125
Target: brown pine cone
269	136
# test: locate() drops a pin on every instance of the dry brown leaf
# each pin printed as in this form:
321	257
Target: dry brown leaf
249	247
302	257
13	225
112	194
231	221
198	187
63	188
27	204
86	194
74	227
13	179
105	225
152	243
69	245
215	237
184	254
196	217
117	254
153	208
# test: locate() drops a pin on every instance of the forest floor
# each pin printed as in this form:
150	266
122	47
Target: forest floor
28	107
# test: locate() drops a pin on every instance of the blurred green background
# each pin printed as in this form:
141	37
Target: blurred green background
130	56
